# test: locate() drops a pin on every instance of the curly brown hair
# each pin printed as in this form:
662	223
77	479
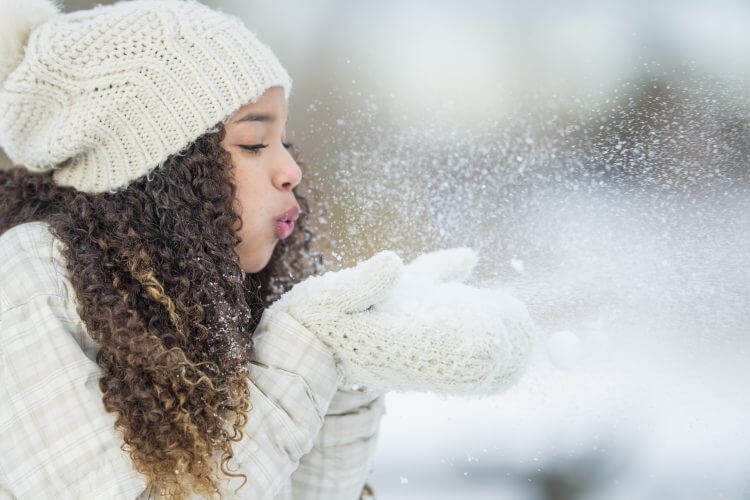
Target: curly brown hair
174	354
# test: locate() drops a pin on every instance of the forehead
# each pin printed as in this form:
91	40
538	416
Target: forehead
270	104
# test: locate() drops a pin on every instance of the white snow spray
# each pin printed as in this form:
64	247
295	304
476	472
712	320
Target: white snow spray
637	211
623	223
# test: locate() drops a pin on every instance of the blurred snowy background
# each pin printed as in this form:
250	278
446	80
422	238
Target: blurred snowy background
597	154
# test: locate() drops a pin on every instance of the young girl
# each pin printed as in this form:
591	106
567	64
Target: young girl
165	330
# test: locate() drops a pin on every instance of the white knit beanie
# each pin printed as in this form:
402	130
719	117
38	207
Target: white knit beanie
103	96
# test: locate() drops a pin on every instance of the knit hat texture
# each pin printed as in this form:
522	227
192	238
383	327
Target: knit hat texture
103	96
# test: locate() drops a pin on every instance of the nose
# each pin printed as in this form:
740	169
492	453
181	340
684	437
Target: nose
289	174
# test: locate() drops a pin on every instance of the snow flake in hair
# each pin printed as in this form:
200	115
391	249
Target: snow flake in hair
17	20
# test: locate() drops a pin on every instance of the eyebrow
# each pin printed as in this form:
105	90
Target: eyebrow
256	117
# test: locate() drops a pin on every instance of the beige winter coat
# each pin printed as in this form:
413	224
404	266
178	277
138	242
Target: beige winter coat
304	439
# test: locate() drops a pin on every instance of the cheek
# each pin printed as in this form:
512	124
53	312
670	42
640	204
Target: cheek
249	197
255	229
253	207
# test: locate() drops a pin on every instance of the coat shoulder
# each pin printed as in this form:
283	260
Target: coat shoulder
31	263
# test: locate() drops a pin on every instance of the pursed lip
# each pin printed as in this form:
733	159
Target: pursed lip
290	215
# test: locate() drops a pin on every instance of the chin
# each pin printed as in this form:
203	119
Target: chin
258	263
254	268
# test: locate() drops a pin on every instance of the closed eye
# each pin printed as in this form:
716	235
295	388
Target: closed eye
255	148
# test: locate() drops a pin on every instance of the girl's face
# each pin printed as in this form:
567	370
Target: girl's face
265	173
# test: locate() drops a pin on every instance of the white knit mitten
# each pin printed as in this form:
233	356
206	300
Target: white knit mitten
484	337
396	327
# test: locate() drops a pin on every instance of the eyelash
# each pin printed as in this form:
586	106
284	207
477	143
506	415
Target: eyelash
255	148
